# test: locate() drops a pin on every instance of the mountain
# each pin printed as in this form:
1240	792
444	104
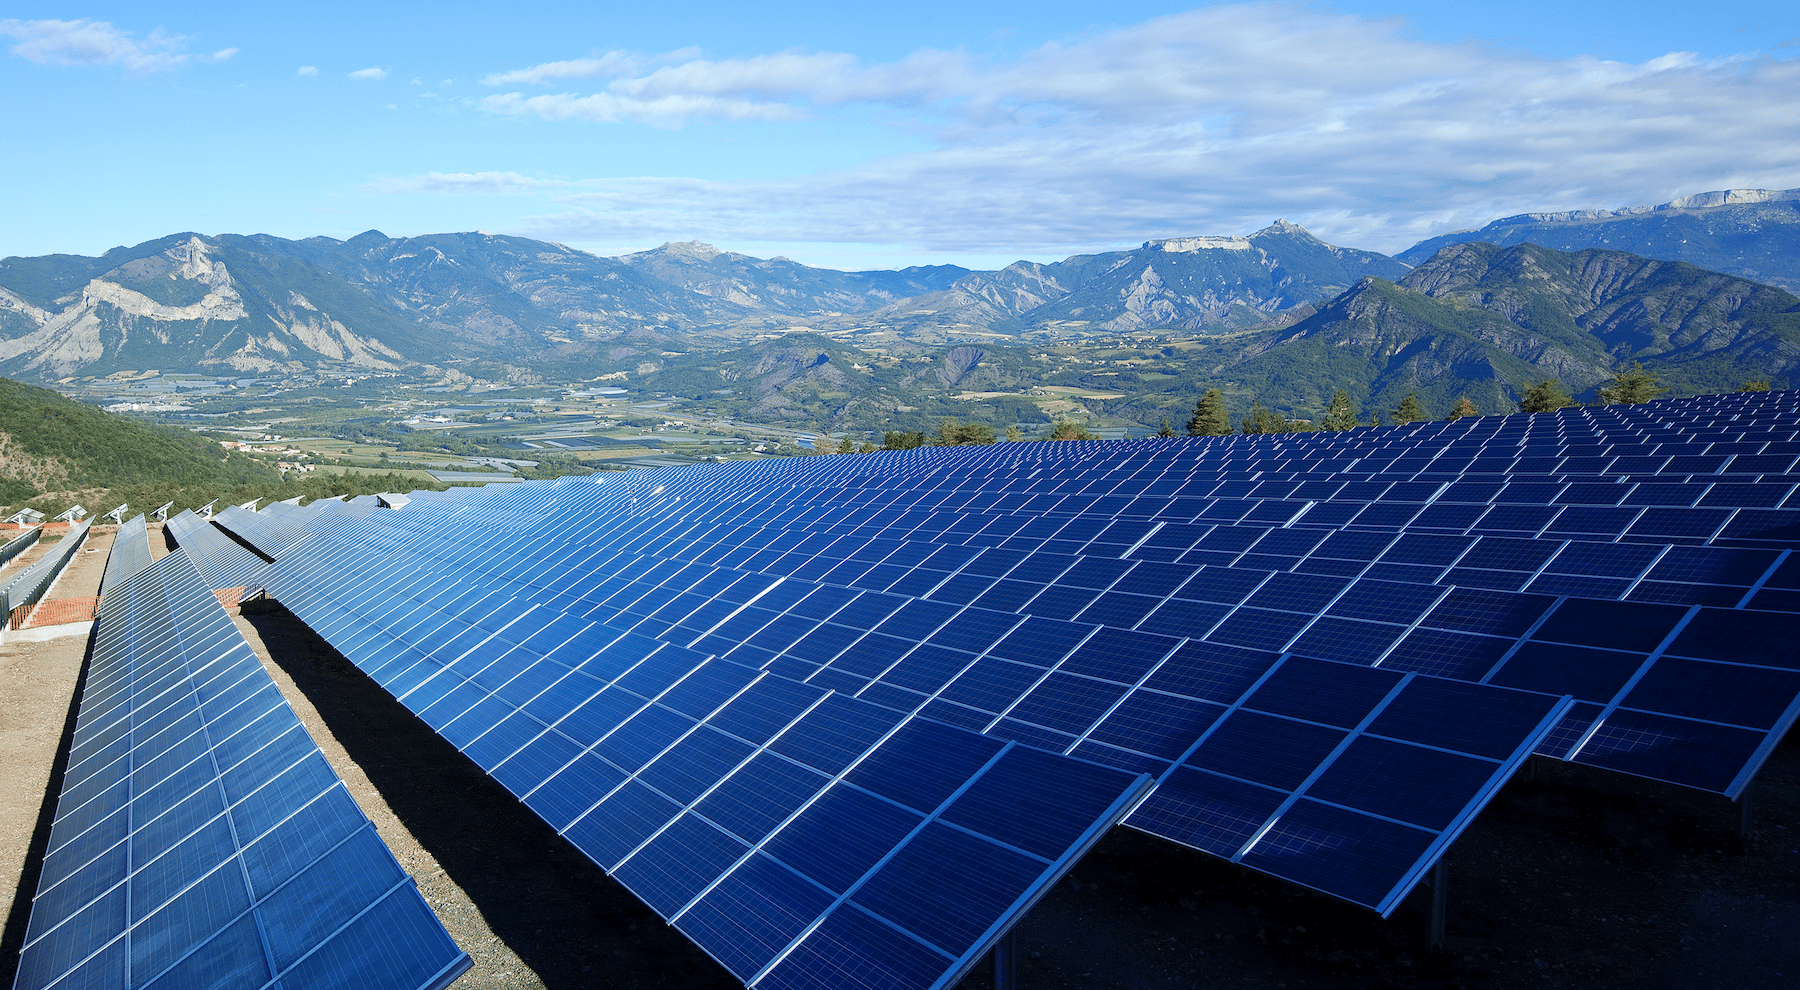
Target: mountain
259	305
51	443
780	285
192	303
1188	283
1750	233
1485	321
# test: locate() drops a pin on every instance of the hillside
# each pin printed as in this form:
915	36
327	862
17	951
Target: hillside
1487	321
1750	233
50	444
811	381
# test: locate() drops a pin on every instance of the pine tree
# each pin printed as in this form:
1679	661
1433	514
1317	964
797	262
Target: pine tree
1013	434
1409	410
1545	396
1631	385
1754	385
1167	430
1341	415
1463	408
1210	418
1066	429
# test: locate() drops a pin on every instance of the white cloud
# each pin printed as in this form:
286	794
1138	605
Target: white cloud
668	111
373	73
1213	121
307	70
465	183
600	66
89	42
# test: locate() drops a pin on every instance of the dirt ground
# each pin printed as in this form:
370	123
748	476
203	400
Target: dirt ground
1572	878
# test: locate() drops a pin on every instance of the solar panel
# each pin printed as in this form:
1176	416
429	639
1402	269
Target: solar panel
265	532
200	838
225	562
130	554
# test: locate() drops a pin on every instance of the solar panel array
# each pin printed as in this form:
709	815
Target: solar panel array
18	545
29	585
1327	651
788	830
200	838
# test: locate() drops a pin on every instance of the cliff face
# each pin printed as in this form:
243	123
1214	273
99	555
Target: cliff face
192	303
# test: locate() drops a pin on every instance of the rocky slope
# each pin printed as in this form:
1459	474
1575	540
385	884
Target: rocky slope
1188	283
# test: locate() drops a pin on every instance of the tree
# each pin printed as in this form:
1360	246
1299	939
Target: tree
1341	414
897	440
1210	418
1068	429
1260	420
1631	385
1754	385
825	445
1167	430
1463	408
1409	410
1545	396
1013	435
954	434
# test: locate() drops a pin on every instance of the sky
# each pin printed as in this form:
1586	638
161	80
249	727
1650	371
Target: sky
858	137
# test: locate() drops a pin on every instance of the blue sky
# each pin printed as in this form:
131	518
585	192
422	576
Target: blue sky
925	133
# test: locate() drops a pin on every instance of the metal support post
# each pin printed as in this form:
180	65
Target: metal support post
1006	962
1440	904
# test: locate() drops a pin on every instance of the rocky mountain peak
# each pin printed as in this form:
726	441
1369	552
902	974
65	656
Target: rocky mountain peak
1192	245
698	250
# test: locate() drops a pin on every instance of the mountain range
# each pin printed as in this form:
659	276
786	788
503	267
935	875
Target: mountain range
1276	312
261	304
1486	321
1750	233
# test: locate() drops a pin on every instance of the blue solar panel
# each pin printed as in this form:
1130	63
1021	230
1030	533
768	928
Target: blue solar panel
130	554
200	837
976	588
224	562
